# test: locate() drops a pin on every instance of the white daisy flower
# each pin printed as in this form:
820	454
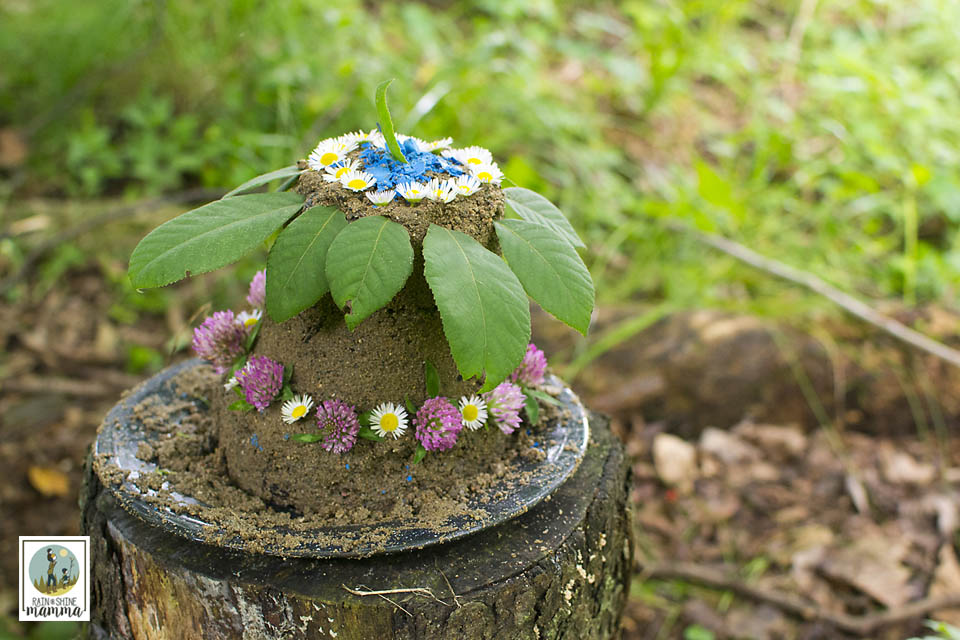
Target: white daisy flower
442	143
249	319
380	198
441	191
470	155
487	173
473	410
333	173
467	185
412	191
295	408
356	180
231	383
329	152
389	419
422	145
359	137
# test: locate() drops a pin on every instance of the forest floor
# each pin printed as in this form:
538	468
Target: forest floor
785	485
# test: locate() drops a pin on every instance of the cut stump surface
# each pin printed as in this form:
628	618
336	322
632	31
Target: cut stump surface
559	571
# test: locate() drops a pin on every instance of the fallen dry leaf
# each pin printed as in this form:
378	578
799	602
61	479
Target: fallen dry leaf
871	565
727	447
786	441
899	467
675	461
946	581
13	148
945	508
48	481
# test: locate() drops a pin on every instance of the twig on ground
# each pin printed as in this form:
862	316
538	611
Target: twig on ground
58	385
858	625
844	300
385	592
456	598
190	195
397	605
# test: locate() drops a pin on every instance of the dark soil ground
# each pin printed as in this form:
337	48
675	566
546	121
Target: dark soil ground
783	486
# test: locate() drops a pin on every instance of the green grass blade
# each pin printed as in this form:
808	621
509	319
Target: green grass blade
290	173
386	122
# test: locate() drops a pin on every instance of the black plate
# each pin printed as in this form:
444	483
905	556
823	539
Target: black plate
564	441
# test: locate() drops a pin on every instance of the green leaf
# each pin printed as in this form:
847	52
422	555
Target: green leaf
306	437
369	434
532	408
287	172
386	122
239	363
419	454
241	405
289	182
433	379
533	207
286	393
296	276
544	397
411	408
485	313
367	264
210	237
551	271
252	338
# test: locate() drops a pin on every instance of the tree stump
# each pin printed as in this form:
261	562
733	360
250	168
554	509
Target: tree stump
561	570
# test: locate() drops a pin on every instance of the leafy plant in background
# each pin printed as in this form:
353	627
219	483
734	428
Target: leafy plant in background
942	630
482	299
808	147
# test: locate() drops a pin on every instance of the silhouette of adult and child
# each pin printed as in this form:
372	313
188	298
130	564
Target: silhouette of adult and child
51	572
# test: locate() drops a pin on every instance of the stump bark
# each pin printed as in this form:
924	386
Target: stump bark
560	570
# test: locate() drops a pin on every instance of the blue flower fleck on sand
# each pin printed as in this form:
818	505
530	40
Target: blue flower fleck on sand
255	441
390	173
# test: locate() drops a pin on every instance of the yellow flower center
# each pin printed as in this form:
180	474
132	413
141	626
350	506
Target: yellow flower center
389	422
249	322
464	188
474	161
485	176
329	158
340	172
299	411
470	412
357	183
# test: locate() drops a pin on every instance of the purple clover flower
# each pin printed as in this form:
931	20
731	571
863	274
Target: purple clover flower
220	340
339	423
260	380
438	424
257	296
531	370
504	403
